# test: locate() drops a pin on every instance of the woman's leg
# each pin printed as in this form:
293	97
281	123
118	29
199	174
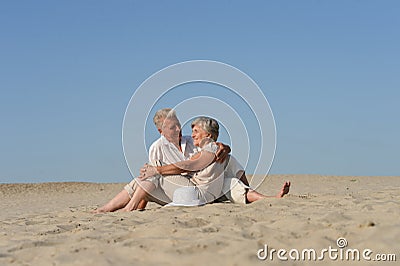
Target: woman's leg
253	195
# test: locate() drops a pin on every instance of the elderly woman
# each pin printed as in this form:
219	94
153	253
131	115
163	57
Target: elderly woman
201	171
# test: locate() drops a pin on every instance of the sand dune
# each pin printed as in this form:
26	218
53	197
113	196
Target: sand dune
51	224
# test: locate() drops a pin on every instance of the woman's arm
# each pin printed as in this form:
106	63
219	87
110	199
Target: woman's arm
196	163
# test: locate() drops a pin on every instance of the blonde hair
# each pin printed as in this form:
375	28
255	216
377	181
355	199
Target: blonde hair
162	114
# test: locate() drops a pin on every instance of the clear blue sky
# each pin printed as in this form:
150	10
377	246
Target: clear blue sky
329	69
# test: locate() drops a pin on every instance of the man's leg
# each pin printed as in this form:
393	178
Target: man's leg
118	202
139	196
121	199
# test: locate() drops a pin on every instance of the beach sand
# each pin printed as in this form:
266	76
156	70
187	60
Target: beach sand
51	224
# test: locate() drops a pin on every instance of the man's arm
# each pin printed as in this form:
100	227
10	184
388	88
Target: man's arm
222	152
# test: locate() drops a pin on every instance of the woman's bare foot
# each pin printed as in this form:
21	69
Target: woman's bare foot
284	190
253	195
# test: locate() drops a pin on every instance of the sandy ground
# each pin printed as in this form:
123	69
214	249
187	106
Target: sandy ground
51	224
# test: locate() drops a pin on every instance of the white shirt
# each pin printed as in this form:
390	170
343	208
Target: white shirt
166	152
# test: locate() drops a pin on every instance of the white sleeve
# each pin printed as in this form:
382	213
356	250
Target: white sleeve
211	147
155	153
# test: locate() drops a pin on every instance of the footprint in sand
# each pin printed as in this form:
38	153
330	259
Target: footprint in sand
192	223
301	196
32	245
66	227
210	229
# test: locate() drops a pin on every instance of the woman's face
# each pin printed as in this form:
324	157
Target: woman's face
198	134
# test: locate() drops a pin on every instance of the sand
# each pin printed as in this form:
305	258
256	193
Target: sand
51	224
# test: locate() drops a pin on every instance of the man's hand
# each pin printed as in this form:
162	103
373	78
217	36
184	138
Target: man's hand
147	171
222	152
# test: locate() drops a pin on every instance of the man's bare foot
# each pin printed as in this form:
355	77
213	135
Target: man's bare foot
118	202
130	209
100	210
284	190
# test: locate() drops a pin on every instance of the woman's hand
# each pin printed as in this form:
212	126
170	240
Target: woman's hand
147	171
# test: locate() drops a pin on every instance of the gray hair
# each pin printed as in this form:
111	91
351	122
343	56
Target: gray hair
161	114
208	124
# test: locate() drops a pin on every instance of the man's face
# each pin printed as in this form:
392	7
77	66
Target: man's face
171	129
